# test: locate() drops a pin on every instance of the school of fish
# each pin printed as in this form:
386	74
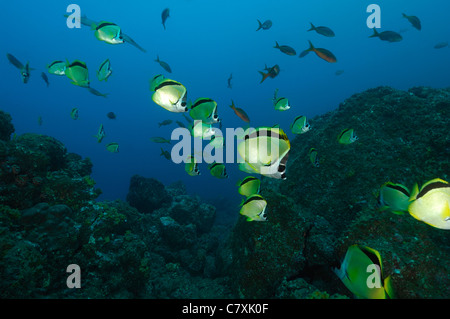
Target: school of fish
264	150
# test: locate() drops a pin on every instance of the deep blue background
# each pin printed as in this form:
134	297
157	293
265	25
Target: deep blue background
204	42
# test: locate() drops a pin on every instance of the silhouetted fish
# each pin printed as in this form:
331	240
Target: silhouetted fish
441	45
111	115
45	78
414	21
325	31
265	26
285	49
163	64
164	16
389	36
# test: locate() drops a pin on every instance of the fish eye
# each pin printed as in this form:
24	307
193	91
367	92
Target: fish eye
183	103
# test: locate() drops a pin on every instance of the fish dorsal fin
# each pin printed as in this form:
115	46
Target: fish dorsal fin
373	255
167	83
104	24
401	188
414	192
433	184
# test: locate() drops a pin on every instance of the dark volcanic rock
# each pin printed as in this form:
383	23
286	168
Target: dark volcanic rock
38	152
147	194
318	212
6	126
186	209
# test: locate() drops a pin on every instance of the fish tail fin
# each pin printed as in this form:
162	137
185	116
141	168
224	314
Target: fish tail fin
260	25
277	46
162	152
264	76
375	33
388	288
94	26
157	58
232	104
312	27
404	15
339	272
311	46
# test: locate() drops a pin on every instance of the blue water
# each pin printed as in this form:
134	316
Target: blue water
204	42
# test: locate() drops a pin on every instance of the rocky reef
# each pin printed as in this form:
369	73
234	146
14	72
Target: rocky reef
318	212
164	243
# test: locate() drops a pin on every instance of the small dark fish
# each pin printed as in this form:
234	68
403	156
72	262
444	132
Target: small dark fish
304	53
339	72
271	72
97	93
325	31
158	139
163	64
24	70
441	45
285	49
389	36
229	81
165	122
414	21
111	115
113	147
164	16
128	39
13	60
45	78
265	26
164	153
181	124
188	119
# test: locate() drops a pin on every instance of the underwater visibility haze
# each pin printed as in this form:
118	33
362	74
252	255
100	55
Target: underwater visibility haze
359	176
